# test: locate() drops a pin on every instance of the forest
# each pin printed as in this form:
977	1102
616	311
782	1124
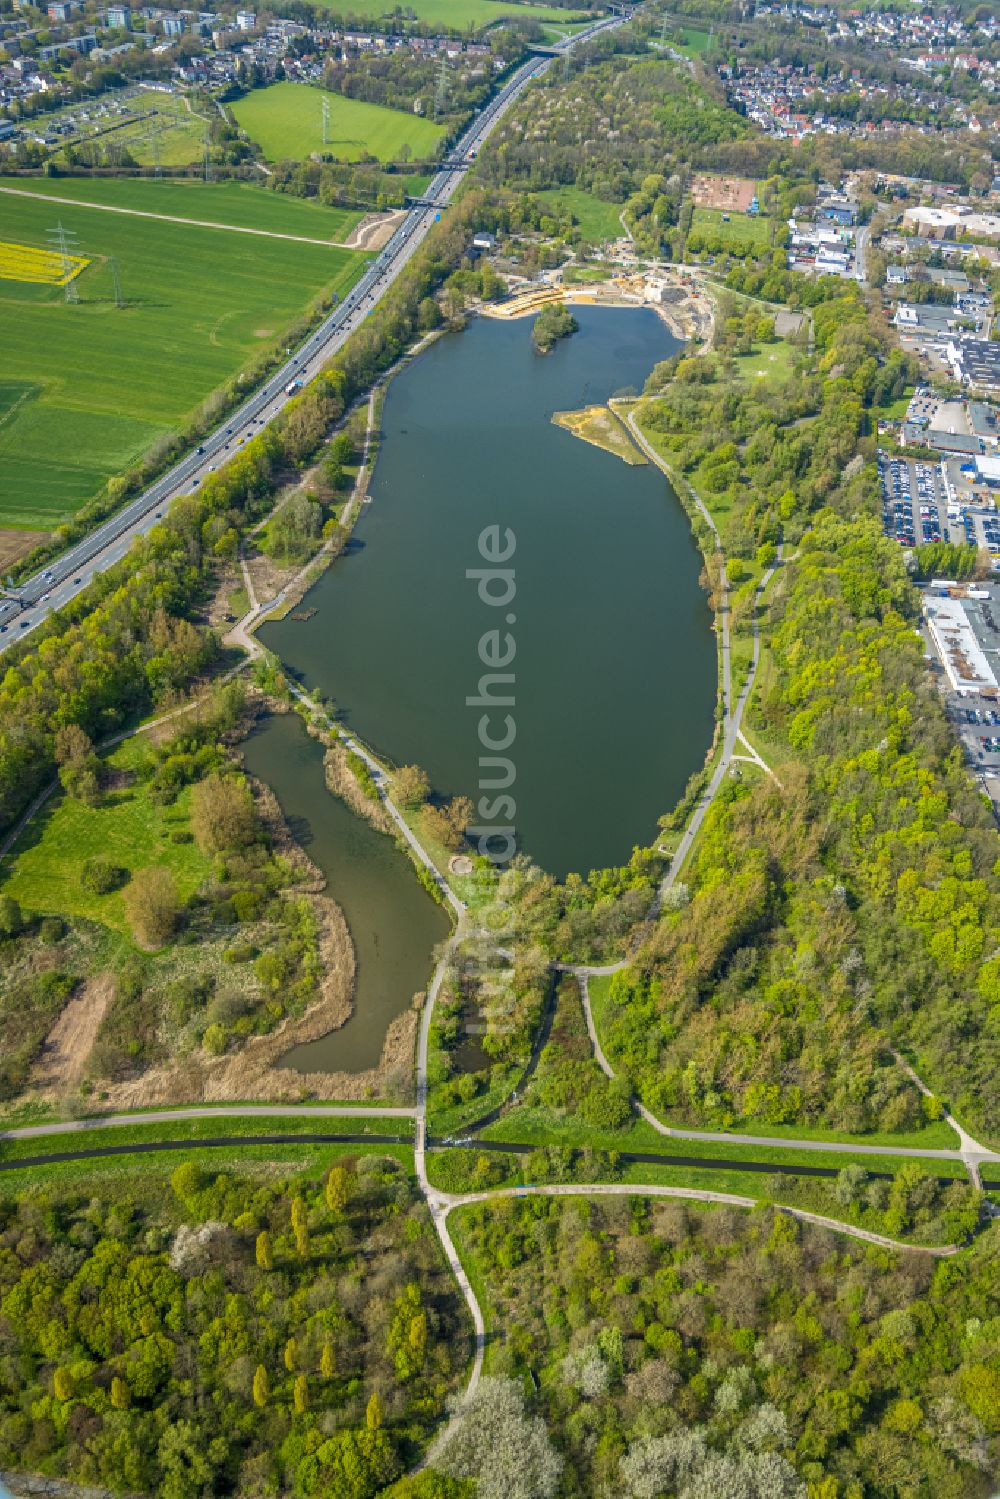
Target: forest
882	864
665	1349
245	1332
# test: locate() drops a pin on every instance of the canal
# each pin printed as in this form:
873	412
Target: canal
615	666
393	922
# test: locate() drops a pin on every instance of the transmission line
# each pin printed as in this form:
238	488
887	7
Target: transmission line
64	244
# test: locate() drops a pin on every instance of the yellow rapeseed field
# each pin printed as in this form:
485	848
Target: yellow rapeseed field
31	263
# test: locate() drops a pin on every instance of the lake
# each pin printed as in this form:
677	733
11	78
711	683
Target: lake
393	921
614	659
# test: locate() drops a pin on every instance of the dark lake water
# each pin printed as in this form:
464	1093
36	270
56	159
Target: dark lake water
615	661
393	921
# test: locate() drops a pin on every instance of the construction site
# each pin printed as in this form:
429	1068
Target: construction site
683	305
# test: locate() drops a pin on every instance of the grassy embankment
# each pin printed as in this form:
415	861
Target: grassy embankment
290	1159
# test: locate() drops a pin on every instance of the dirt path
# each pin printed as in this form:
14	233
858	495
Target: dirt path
173	218
374	230
64	1054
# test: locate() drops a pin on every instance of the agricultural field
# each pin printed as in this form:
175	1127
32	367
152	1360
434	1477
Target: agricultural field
153	127
238	205
740	231
38	267
287	123
90	387
461	15
595	219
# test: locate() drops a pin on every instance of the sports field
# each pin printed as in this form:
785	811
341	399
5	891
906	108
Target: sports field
286	121
459	15
88	388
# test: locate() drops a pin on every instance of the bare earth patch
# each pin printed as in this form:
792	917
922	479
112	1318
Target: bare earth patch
16	544
61	1062
735	193
374	230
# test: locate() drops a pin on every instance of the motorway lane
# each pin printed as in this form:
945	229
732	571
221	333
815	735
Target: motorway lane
54	587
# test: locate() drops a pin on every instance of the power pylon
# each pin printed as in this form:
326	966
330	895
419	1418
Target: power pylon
325	106
116	281
63	244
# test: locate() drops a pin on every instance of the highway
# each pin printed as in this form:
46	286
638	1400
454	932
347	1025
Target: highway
65	577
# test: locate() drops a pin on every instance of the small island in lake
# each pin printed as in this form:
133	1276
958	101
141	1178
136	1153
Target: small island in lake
551	324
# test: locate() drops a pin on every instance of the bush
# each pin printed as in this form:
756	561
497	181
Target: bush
11	919
100	876
214	1040
152	905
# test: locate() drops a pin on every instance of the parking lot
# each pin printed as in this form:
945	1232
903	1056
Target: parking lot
915	508
977	724
914	502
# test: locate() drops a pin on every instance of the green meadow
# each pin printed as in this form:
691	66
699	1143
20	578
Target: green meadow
127	828
595	219
462	15
286	121
90	387
737	231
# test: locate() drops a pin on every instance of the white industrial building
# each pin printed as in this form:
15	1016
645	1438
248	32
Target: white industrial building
962	657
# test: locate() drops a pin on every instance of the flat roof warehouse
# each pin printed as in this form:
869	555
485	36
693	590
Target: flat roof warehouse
962	656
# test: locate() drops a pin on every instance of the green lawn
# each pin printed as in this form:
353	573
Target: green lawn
97	385
460	15
127	828
768	361
596	220
894	410
692	41
240	204
286	122
738	231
